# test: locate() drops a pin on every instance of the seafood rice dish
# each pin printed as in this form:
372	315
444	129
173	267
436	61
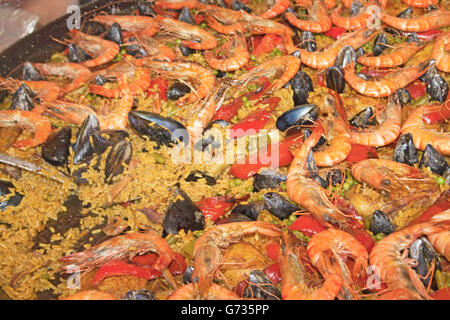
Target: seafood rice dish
225	150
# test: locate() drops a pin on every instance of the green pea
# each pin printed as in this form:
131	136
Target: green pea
250	188
178	42
203	25
350	181
440	180
244	99
380	236
283	186
292	217
253	57
247	104
235	182
419	101
346	186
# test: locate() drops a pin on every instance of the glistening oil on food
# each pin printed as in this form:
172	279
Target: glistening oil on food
248	149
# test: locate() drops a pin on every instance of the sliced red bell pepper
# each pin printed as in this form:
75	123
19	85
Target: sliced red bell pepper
428	35
441	204
335	32
255	121
273	273
145	260
215	207
273	250
438	116
178	265
441	294
360	152
308	225
416	89
160	84
120	268
268	43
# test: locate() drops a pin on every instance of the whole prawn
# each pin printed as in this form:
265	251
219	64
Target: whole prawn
318	22
441	240
435	19
74	71
397	57
441	52
361	20
278	8
214	292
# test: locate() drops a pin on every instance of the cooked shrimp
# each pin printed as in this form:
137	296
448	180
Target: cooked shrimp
102	50
318	22
421	135
90	295
441	240
119	247
356	22
337	133
146	25
74	71
28	120
45	90
420	3
397	57
441	52
156	49
287	66
178	4
387	130
295	281
435	19
235	54
214	292
207	253
278	8
307	192
194	36
325	58
73	113
187	71
389	254
385	86
328	251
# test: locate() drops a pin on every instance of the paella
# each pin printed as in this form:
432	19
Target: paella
184	149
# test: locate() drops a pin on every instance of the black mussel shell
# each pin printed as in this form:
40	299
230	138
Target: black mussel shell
114	34
335	79
260	287
364	118
301	115
345	56
308	42
100	80
5	189
364	76
142	294
401	96
432	7
296	54
279	206
405	14
379	44
107	138
237	5
82	147
82	168
119	155
220	122
29	73
182	214
220	74
437	88
251	210
405	151
423	253
267	180
187	275
381	223
23	99
355	7
335	176
301	85
186	16
434	160
77	55
56	149
412	37
359	52
196	175
162	130
233	217
177	90
136	51
186	51
429	74
313	172
307	132
145	8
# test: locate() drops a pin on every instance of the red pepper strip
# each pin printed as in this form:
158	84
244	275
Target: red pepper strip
441	204
161	85
321	79
308	225
273	250
273	273
428	35
264	156
416	89
360	152
335	32
145	260
124	269
256	121
268	43
438	116
253	42
215	207
441	294
178	265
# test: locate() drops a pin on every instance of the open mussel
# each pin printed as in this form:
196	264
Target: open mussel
380	44
259	286
335	79
107	138
56	149
437	88
119	155
279	206
405	151
5	189
432	159
364	119
76	54
23	99
162	130
301	85
402	97
114	34
381	223
182	214
302	115
267	180
177	90
30	73
82	147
